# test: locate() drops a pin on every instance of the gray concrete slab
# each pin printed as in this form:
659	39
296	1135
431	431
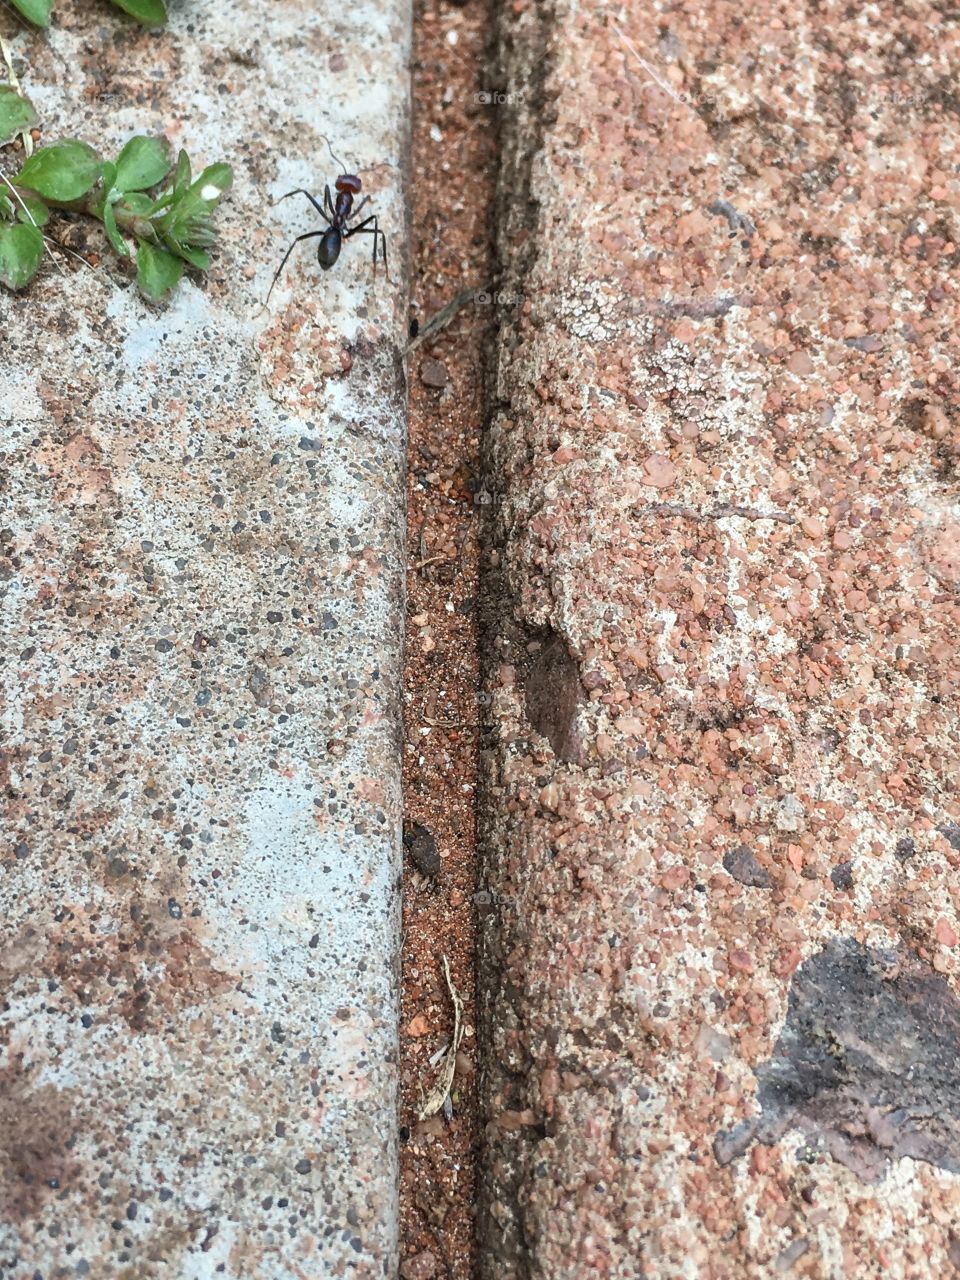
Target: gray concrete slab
202	515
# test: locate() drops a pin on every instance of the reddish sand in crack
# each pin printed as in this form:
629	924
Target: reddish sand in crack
453	178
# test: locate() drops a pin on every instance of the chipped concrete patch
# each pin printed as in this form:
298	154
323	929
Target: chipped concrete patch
723	479
202	561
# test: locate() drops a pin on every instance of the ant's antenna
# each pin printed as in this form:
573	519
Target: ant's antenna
343	167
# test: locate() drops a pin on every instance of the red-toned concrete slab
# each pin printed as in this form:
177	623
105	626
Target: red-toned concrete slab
202	540
721	823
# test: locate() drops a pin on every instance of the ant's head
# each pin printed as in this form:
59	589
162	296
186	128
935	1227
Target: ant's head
347	182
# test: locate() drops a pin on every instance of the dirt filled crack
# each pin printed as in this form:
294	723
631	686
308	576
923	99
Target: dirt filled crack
454	173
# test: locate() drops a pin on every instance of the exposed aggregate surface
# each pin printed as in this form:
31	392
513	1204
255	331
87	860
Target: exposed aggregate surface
719	998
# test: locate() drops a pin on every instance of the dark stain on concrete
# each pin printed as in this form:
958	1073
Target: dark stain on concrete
867	1065
37	1132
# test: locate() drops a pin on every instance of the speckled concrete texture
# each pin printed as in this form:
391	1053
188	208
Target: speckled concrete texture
202	541
720	968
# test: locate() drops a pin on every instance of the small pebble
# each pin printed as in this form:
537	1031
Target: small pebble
433	374
842	875
421	849
791	1254
742	864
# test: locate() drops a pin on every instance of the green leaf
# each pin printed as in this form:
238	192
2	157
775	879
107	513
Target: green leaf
113	235
198	258
157	270
213	182
64	172
6	208
137	203
187	222
36	11
16	114
38	211
163	201
150	12
142	163
21	248
108	176
181	177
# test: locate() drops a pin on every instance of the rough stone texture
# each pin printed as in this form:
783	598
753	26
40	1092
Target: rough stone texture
202	562
724	496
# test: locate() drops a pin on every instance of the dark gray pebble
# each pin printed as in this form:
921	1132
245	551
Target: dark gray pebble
742	864
421	849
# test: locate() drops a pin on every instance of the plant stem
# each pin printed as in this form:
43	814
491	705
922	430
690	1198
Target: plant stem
92	205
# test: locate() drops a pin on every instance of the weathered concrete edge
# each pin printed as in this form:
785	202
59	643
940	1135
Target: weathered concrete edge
522	59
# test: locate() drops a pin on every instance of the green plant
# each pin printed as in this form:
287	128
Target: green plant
16	114
140	195
151	13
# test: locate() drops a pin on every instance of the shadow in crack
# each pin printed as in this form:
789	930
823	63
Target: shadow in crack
553	692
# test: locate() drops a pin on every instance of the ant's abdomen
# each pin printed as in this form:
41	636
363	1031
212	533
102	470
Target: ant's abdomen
328	250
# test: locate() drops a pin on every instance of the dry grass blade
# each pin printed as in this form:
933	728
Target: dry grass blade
434	1100
14	83
443	317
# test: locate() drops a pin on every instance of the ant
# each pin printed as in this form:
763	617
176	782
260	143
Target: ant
336	214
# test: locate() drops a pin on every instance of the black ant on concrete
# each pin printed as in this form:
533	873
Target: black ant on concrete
337	215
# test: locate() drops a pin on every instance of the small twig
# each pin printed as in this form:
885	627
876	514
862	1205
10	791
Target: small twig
422	564
450	724
65	248
15	13
721	512
435	1099
648	69
461	543
443	317
750	513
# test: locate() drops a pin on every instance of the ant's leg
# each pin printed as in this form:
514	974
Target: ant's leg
366	229
383	250
359	206
363	226
307	235
328	203
299	191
